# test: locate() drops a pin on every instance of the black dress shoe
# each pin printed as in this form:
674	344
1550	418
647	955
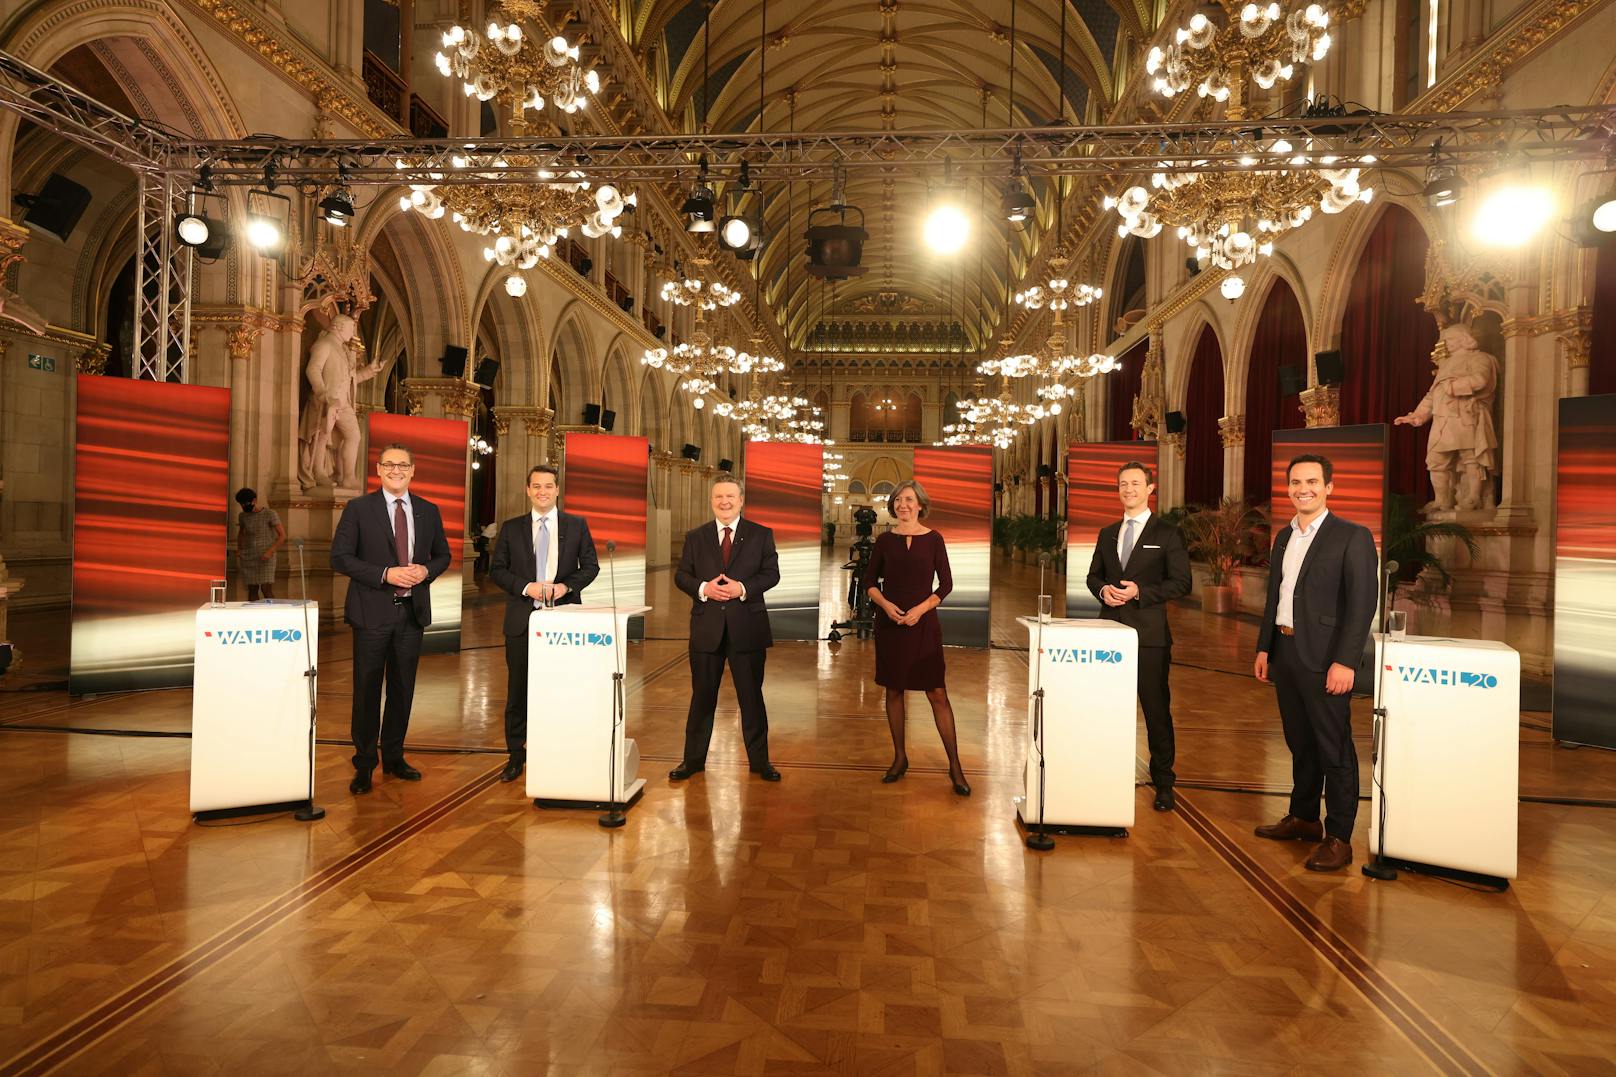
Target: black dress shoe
360	783
685	770
767	772
1165	799
402	771
512	771
894	772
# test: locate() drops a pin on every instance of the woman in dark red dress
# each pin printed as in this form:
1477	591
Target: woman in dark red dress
908	637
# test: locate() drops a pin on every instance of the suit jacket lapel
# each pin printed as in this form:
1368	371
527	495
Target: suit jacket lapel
387	523
1324	527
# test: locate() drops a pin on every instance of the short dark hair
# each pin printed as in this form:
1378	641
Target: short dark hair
405	449
246	496
545	469
1135	465
1311	458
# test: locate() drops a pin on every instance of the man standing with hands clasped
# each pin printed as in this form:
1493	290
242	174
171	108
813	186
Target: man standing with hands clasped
725	568
1322	584
543	556
1140	564
391	546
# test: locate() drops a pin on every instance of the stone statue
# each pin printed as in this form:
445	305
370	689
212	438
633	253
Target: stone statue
328	432
1461	452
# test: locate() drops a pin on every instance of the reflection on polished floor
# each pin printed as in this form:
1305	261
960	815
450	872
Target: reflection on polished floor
828	924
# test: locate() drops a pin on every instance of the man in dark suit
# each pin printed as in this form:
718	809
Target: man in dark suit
568	566
391	546
1322	583
1140	564
726	567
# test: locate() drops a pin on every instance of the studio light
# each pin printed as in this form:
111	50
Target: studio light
1511	214
835	247
947	229
698	207
1018	205
193	229
337	208
267	214
1233	287
740	234
264	233
1443	185
1604	216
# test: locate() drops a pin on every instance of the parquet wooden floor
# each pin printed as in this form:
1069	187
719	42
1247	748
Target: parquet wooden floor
827	924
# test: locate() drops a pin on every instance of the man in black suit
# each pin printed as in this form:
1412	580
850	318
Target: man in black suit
568	566
726	567
391	546
1140	564
1322	583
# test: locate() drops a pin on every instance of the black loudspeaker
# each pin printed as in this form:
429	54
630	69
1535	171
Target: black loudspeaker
454	361
1292	380
1044	471
57	207
691	452
487	370
998	487
1330	367
584	266
607	419
1175	422
660	331
591	414
726	465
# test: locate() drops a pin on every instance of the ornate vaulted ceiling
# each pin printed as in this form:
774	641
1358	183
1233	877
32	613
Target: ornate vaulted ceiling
856	65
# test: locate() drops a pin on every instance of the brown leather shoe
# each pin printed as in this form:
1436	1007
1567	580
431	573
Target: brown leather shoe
1333	855
1291	828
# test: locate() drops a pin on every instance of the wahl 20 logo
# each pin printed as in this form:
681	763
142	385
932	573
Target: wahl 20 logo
1083	656
576	639
1447	678
246	637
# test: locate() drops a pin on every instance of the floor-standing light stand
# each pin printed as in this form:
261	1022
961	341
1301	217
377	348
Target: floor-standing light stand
614	816
1378	868
310	811
1039	840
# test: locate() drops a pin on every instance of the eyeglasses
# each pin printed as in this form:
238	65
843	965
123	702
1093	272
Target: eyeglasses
396	467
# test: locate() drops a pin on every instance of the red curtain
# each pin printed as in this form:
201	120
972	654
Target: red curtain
1281	340
1122	388
1203	406
1602	356
1386	342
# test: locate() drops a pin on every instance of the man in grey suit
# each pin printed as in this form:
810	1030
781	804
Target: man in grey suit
1322	587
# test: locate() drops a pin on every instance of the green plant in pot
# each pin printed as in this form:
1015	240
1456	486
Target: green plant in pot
1421	574
1221	537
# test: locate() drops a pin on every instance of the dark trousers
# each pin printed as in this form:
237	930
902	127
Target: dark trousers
1156	700
516	697
1318	731
383	655
746	673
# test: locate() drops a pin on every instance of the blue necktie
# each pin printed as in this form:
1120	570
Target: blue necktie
542	548
1127	542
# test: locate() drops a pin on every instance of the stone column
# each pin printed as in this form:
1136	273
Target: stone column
449	398
836	421
524	440
1232	429
931	420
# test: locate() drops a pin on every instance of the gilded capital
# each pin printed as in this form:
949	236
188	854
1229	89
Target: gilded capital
92	360
1232	428
12	237
1322	405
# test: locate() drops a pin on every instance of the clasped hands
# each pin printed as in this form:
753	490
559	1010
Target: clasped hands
539	592
405	575
1119	596
908	618
721	589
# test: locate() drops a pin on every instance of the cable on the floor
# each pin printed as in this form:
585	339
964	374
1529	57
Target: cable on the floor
245	822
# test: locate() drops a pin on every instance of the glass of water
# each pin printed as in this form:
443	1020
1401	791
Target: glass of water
1396	624
216	592
1046	605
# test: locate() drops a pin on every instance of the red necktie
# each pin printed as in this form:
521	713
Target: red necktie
401	539
723	548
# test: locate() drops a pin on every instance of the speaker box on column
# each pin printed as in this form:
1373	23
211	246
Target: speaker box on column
57	207
726	465
1175	422
1292	380
1330	367
691	452
591	414
454	361
487	370
608	419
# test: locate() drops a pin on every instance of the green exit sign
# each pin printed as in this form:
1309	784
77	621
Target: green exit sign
46	363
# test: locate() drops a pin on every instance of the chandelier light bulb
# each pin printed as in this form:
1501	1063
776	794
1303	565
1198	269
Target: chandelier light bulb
515	286
1233	288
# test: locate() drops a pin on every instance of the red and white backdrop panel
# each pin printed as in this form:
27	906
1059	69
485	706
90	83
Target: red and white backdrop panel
784	492
1358	459
604	482
1585	573
959	483
1092	503
439	449
151	509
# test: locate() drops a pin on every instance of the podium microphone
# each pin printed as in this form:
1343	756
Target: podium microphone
1041	840
1378	868
310	811
614	818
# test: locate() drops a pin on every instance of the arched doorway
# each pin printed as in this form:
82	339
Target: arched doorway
1203	406
1280	342
1121	387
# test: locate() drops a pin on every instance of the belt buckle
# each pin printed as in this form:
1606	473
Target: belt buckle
1287	630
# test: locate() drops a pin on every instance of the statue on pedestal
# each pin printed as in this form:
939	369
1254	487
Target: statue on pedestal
1461	454
328	431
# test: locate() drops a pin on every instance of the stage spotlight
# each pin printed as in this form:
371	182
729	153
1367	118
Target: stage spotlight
698	208
193	229
337	208
740	234
1443	185
1233	287
1511	214
264	234
1018	205
947	229
1604	216
267	217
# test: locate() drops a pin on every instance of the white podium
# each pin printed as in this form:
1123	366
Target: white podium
250	707
1449	766
1089	671
572	652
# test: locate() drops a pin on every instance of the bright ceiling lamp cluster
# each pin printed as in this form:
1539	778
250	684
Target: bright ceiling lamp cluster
701	358
834	472
1264	41
523	221
998	418
702	294
505	61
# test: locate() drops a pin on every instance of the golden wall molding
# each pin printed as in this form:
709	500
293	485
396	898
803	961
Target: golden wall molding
1174	440
536	420
53	334
563	274
12	236
1232	429
92	360
1571	320
1322	406
1532	27
459	397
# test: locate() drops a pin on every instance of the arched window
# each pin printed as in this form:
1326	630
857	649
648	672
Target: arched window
858	418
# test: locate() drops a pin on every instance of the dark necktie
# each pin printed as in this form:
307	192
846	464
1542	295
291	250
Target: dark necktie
723	548
401	539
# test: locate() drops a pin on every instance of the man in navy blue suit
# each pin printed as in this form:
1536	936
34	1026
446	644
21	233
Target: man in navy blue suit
391	546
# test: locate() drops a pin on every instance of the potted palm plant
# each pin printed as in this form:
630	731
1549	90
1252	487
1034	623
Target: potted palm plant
1219	536
1405	541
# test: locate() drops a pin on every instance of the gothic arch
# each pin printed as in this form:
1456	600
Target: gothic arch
521	337
1237	354
572	345
1324	328
437	304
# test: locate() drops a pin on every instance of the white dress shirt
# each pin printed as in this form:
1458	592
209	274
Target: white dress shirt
734	528
1138	529
547	571
1295	553
409	522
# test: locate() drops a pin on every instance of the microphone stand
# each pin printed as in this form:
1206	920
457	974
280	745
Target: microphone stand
310	811
1040	840
614	817
1378	868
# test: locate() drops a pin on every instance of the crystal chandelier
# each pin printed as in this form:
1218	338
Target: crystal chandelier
523	221
701	355
999	419
833	471
1264	41
1059	291
506	62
